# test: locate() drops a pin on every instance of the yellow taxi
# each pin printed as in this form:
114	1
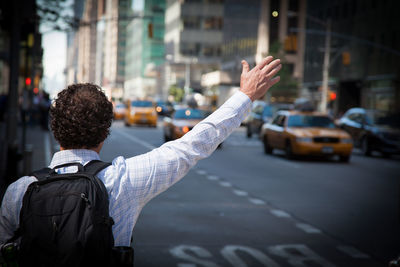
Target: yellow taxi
182	121
119	110
305	133
141	112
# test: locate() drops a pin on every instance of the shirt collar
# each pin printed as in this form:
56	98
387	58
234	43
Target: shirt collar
82	156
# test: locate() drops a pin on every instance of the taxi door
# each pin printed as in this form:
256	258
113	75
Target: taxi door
275	132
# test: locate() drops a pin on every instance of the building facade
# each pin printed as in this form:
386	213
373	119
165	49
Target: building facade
72	46
365	54
145	51
193	39
87	35
253	31
118	14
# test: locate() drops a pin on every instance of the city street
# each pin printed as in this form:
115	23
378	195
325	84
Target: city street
241	207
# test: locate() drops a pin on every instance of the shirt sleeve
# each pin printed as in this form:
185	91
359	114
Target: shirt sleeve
155	171
11	206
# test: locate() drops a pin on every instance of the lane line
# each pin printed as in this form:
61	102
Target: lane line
201	172
212	177
353	252
240	193
257	201
280	213
308	228
136	140
47	148
225	184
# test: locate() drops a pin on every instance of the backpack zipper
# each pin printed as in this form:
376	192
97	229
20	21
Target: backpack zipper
83	196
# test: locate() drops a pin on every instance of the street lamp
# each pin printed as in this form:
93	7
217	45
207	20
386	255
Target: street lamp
188	63
326	62
325	67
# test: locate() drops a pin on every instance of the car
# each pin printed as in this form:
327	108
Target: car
141	112
372	130
164	108
181	122
305	133
119	110
260	114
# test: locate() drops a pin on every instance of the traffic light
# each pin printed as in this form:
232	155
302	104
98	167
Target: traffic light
150	30
346	58
28	81
332	96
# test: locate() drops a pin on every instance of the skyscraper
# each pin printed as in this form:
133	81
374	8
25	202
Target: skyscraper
145	50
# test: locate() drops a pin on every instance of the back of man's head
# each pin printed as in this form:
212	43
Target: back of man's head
81	116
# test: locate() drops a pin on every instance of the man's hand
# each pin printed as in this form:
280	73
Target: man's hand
256	82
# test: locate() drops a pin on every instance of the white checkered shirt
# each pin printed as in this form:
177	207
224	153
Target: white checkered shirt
132	182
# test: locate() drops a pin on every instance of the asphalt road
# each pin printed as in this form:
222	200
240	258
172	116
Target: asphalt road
240	207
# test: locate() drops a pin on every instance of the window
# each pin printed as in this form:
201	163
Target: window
212	23
281	121
189	114
191	22
190	49
357	117
310	121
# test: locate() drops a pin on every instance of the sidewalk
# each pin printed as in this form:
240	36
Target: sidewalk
42	144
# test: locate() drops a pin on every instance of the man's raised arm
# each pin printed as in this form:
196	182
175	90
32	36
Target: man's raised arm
160	168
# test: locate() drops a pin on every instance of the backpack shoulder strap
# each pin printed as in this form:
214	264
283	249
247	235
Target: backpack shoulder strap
41	174
95	166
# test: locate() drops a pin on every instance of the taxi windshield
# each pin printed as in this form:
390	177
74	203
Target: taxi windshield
310	121
189	114
143	104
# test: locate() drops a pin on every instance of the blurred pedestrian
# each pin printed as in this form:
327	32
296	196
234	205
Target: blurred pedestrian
80	121
44	107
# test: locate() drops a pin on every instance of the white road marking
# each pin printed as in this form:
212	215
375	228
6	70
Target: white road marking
299	255
212	177
240	193
47	148
353	252
201	172
257	201
308	228
230	253
280	214
225	184
137	140
193	256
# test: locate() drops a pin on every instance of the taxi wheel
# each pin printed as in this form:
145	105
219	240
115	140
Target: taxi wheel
248	132
288	150
267	148
365	147
127	124
166	138
344	158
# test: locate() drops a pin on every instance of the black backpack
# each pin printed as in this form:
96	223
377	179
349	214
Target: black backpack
64	219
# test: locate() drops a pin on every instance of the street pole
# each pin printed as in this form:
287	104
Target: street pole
187	78
325	68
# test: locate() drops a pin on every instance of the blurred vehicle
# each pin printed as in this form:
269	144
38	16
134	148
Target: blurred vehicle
119	110
181	122
372	130
141	112
305	133
260	114
164	108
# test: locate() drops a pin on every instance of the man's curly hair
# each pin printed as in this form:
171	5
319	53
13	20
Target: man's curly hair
81	116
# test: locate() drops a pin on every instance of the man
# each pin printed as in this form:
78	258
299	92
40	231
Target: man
80	121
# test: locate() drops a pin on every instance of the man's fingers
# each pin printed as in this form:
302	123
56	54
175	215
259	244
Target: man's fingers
245	67
265	62
274	80
273	72
268	68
